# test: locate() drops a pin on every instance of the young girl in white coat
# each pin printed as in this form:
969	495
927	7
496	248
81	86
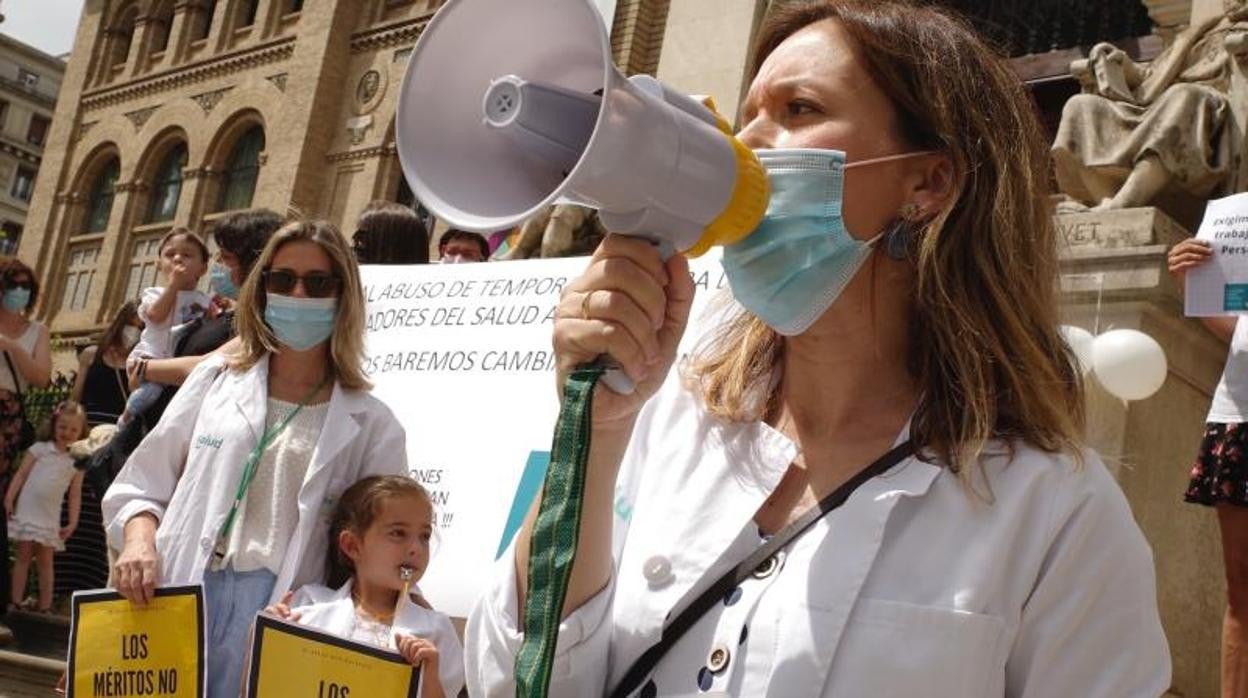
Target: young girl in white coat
236	485
380	543
33	502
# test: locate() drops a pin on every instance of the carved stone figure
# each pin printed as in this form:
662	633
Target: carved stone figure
563	230
1139	131
367	88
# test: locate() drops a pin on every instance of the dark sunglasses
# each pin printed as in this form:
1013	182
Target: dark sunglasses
317	284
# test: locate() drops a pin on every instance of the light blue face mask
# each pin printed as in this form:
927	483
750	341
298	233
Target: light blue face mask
300	323
15	300
221	281
797	262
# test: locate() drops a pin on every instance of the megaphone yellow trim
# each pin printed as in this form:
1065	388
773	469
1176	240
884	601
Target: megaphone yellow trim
750	196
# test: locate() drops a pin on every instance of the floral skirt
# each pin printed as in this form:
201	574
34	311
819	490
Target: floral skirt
11	418
1220	474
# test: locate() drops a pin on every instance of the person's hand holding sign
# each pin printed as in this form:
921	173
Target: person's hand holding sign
422	653
1189	254
138	566
281	609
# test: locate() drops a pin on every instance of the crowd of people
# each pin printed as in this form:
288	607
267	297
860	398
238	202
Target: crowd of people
883	416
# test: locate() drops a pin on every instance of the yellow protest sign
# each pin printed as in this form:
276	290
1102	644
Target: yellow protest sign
118	650
294	660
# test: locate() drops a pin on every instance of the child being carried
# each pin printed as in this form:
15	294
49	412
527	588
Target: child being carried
183	259
378	545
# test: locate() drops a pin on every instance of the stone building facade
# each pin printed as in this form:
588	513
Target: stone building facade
29	82
175	112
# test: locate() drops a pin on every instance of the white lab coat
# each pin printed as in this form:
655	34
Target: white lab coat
186	471
333	611
911	588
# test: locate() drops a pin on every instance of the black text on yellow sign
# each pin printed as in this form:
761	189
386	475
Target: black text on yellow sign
119	650
299	662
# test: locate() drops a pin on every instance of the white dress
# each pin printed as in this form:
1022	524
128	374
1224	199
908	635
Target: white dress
37	516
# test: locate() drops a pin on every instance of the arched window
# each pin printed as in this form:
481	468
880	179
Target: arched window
167	185
238	183
162	22
100	203
293	6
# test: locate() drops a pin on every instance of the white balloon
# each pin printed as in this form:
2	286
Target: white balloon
1080	341
1130	364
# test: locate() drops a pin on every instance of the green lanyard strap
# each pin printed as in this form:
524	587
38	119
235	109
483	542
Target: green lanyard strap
552	545
252	465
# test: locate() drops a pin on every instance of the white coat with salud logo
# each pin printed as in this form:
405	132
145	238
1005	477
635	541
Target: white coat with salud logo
911	588
186	471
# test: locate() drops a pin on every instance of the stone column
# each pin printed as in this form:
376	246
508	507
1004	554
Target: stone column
140	40
196	188
114	250
1114	276
179	31
717	68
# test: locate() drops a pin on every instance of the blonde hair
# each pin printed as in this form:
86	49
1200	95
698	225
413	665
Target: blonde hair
346	344
66	408
984	343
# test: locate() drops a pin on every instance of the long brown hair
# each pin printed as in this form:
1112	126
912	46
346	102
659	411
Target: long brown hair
984	343
346	345
357	509
111	337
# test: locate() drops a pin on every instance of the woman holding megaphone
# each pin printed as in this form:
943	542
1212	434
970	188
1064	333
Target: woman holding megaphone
870	481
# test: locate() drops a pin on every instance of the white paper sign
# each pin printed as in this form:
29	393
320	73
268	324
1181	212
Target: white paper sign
462	354
1220	286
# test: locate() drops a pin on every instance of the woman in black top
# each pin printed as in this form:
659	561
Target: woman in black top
100	386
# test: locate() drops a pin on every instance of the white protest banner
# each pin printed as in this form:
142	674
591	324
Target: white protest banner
462	354
1220	286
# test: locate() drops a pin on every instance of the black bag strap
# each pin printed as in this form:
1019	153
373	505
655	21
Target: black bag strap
17	383
676	629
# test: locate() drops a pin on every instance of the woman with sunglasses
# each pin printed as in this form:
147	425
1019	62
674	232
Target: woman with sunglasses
236	484
27	363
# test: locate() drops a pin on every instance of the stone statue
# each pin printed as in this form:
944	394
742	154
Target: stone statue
1139	131
562	230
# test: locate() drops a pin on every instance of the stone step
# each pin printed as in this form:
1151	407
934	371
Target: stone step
42	635
26	676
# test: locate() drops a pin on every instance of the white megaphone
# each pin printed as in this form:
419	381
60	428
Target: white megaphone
509	106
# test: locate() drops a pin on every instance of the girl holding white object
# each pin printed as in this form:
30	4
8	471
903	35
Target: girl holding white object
379	544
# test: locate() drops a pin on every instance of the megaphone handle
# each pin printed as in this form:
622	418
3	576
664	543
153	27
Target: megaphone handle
615	378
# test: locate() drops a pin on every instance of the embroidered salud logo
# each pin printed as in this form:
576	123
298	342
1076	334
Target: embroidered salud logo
209	442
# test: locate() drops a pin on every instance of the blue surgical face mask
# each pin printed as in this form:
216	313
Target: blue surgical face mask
222	281
300	323
797	262
16	299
